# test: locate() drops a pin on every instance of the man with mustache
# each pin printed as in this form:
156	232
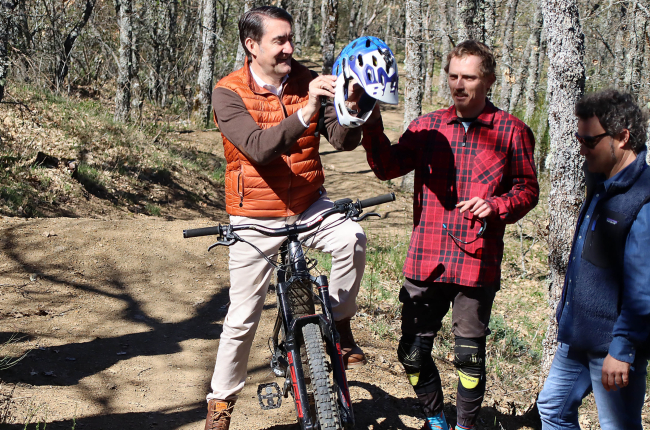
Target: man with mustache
474	173
268	114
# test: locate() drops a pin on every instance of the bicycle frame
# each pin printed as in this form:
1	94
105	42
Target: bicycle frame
286	357
292	329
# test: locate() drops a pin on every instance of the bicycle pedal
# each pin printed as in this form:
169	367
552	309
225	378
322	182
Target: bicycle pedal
269	396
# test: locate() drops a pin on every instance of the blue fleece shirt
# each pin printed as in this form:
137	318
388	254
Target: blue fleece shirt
631	327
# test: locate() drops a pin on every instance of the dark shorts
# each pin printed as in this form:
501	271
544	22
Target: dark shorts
424	305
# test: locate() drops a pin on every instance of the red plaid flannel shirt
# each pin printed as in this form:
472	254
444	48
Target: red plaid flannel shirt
492	160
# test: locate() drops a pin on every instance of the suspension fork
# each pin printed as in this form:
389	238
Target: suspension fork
294	359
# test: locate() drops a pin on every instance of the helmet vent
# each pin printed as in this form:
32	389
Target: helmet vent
367	43
360	58
374	61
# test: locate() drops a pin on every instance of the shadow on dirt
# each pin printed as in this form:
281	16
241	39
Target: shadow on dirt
161	420
66	365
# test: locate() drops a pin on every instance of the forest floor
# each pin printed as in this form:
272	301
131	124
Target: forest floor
119	317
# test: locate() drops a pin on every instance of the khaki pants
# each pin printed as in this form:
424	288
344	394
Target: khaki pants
250	275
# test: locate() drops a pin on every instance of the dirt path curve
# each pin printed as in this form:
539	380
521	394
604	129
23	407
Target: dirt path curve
122	318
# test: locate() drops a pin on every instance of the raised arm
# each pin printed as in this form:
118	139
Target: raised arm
390	161
260	146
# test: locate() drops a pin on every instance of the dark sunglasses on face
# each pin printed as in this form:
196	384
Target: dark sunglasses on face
590	141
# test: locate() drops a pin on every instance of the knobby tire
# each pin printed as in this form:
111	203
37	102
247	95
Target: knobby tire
320	383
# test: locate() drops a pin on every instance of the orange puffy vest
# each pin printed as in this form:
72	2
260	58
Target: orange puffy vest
290	183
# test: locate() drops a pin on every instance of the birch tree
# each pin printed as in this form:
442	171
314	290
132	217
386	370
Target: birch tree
414	71
124	9
330	15
566	81
206	69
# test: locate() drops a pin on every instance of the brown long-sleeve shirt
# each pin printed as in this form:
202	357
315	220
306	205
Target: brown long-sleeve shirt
263	146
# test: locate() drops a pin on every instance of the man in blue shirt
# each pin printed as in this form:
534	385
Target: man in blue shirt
604	314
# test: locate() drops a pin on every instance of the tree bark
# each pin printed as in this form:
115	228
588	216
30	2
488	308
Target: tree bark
241	54
388	16
619	46
469	20
527	59
489	22
445	48
309	31
430	58
124	8
414	66
637	25
6	22
330	16
507	75
204	81
534	66
566	82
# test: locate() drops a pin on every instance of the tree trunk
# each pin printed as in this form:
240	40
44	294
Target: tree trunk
566	82
414	66
507	73
637	26
445	48
63	59
298	28
430	58
6	22
527	59
241	54
124	8
204	81
489	22
309	31
534	66
388	16
619	46
469	20
330	16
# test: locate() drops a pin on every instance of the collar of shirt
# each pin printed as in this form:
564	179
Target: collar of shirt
608	182
485	118
275	90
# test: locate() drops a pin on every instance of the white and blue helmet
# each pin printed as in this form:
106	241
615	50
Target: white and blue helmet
372	64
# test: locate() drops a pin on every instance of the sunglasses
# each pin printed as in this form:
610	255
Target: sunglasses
590	141
479	234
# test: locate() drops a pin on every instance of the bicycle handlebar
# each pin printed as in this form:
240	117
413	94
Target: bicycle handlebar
374	201
346	206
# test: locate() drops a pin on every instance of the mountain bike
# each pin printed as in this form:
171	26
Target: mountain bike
305	347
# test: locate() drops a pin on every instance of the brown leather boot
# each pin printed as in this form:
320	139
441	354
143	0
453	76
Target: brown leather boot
219	412
353	356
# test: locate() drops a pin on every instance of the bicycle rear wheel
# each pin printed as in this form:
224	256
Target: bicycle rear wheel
320	381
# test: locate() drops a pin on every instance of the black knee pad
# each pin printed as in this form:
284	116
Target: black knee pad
414	352
469	359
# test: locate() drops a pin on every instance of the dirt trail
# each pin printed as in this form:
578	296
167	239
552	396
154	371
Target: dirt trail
122	318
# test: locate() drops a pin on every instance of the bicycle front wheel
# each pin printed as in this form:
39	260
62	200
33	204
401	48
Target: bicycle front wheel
320	381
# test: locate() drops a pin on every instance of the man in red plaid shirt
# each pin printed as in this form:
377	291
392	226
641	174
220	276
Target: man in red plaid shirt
474	173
